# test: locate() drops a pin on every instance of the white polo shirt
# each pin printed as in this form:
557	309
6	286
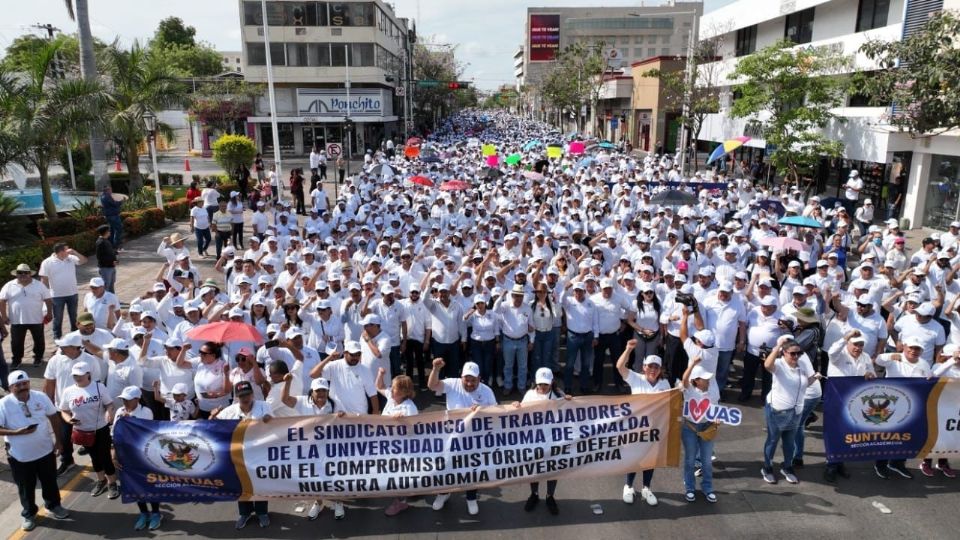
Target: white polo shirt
459	398
101	307
25	304
350	386
13	415
61	274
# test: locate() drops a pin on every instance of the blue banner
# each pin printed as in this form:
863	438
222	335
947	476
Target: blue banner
176	461
867	420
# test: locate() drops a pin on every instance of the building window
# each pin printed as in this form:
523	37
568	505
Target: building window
638	52
361	55
351	14
665	51
799	26
638	40
872	14
651	52
746	41
665	39
296	54
286	13
943	187
318	55
257	57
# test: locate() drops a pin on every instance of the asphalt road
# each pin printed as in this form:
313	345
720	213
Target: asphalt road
748	508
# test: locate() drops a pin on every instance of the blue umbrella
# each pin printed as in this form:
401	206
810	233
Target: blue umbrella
607	145
585	162
801	221
530	145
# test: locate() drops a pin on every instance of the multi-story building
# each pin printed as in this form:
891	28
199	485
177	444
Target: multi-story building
232	61
314	48
626	34
929	167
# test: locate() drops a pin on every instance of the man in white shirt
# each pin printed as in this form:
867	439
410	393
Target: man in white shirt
418	325
466	392
59	273
726	317
763	324
102	304
583	334
21	306
124	370
30	424
851	191
351	383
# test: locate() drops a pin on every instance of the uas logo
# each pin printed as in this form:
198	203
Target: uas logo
879	406
182	452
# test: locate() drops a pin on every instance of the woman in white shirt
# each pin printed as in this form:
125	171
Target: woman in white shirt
484	329
909	363
544	388
399	404
792	373
648	319
88	407
649	381
546	315
698	433
211	380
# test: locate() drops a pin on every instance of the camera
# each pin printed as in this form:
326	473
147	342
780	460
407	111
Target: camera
687	300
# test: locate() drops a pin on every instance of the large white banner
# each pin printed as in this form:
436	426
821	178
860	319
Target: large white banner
371	456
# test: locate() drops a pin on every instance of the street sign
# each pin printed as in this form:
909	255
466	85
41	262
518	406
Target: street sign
334	149
427	84
400	91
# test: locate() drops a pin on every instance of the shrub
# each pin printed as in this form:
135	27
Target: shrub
50	228
82	161
177	210
86	183
232	151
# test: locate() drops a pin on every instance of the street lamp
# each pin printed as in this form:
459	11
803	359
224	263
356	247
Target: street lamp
150	121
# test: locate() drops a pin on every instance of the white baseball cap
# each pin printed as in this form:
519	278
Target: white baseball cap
130	392
544	376
470	369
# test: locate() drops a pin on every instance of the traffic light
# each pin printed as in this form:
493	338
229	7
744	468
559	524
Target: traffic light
458	85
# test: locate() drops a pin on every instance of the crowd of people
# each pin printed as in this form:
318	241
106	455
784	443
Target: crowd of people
446	273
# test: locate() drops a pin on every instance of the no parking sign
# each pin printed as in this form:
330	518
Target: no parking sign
334	149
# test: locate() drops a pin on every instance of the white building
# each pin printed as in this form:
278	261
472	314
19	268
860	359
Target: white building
930	167
313	46
232	61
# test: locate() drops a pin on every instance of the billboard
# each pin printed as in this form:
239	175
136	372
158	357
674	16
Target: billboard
544	37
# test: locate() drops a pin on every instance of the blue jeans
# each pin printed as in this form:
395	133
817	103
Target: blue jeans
395	368
482	353
808	405
696	450
514	353
545	350
724	358
781	427
109	277
203	240
581	344
116	230
60	302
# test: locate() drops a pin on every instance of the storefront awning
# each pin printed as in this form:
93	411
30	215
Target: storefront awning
322	119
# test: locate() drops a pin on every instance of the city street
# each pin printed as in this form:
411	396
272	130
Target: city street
747	507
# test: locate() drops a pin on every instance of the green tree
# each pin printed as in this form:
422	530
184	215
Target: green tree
790	92
232	151
39	114
188	61
439	64
920	76
577	78
172	31
138	83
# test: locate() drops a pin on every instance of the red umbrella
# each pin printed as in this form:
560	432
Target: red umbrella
421	180
225	332
454	185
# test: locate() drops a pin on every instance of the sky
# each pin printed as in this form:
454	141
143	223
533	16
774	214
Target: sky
486	33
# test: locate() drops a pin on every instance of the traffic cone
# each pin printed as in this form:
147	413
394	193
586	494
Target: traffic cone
116	165
186	165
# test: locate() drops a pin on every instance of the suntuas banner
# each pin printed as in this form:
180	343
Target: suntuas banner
374	456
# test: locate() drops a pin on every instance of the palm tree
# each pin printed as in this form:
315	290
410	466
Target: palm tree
138	83
39	113
88	67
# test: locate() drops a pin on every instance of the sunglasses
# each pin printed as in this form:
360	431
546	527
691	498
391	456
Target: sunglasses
206	352
793	353
23	273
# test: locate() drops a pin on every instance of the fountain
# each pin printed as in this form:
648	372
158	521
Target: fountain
32	199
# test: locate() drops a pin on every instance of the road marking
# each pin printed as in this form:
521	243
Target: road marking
68	487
